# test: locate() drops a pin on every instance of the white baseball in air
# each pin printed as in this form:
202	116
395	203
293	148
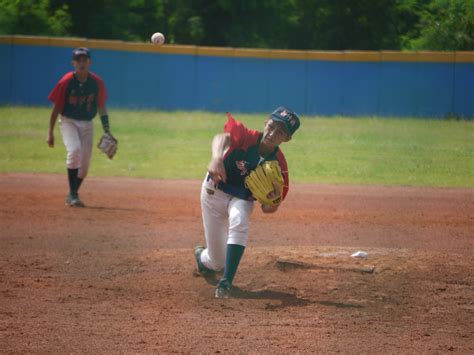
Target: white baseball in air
158	38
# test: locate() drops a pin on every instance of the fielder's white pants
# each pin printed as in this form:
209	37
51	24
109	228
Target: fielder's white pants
226	221
77	137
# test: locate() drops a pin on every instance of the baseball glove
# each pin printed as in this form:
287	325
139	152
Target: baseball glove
261	181
108	144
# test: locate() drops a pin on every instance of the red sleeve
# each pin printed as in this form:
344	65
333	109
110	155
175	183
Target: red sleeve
58	94
284	172
240	136
102	96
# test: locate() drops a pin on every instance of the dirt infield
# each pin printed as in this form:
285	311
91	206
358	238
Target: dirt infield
118	275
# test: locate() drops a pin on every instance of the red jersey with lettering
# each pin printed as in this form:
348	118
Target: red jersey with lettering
79	100
243	156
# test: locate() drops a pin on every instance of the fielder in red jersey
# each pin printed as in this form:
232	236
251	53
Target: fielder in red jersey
77	98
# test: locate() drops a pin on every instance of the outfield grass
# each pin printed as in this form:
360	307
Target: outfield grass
176	145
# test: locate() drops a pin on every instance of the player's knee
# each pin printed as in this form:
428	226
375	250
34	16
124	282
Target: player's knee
238	238
74	158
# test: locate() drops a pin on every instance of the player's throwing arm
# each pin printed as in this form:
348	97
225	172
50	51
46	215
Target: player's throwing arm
246	166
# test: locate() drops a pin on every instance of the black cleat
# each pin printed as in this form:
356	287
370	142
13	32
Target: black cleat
223	289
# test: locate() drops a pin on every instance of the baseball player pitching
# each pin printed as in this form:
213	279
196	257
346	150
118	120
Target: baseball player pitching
246	166
77	97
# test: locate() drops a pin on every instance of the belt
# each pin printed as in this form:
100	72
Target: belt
235	191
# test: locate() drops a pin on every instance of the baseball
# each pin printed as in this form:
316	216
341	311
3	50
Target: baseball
158	38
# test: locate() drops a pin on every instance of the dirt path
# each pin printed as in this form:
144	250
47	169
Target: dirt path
118	275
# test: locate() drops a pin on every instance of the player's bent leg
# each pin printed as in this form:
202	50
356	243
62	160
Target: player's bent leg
215	221
239	221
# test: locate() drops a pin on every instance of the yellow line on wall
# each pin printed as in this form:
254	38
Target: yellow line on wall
348	56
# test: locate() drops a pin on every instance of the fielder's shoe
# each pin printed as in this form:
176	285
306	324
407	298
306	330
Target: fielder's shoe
74	201
203	270
223	289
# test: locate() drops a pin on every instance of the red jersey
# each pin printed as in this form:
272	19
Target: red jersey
77	100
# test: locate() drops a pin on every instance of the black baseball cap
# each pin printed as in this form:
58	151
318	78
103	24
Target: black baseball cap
288	117
80	52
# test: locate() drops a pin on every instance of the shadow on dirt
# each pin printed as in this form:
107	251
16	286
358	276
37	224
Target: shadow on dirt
286	299
339	304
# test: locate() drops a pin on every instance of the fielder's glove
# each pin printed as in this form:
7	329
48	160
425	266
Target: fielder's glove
261	182
108	145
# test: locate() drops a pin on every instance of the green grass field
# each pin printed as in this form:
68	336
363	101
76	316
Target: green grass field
176	145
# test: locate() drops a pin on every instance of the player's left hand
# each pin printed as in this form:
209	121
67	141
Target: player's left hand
269	209
275	193
108	144
272	195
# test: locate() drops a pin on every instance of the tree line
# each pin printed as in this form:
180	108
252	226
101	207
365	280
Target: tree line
283	24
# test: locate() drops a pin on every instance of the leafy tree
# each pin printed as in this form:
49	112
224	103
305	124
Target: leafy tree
33	17
250	23
445	25
293	24
103	19
346	24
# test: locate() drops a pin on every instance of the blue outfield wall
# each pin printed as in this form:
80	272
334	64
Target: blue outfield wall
152	80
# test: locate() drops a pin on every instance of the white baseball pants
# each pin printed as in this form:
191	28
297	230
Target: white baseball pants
78	138
226	221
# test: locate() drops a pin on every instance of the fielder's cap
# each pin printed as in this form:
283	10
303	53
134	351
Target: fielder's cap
288	117
80	52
